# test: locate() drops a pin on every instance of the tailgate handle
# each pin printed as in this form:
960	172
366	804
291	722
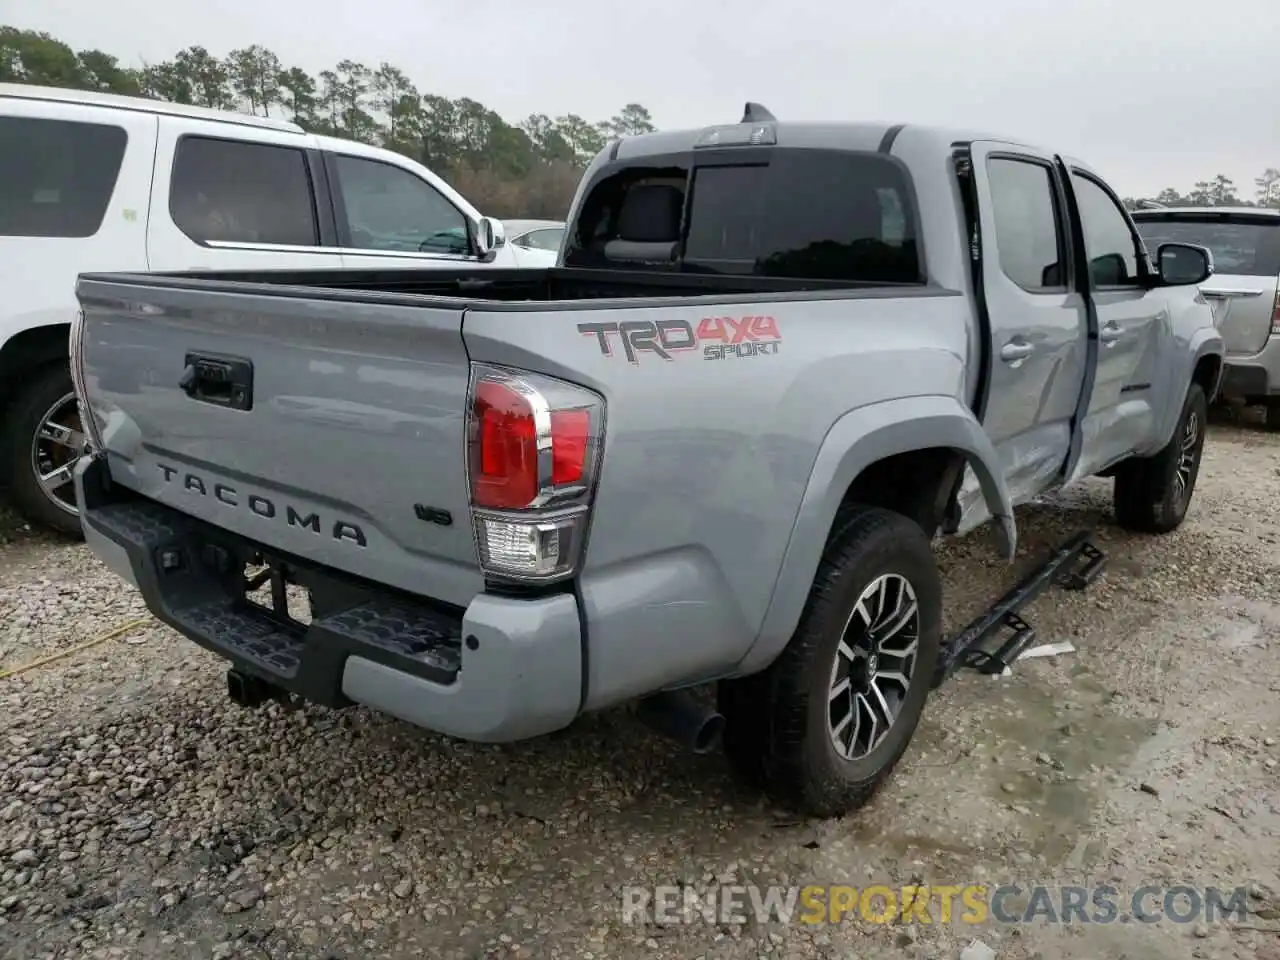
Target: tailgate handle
222	381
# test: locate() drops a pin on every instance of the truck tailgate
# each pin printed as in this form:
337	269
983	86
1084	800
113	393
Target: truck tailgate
350	449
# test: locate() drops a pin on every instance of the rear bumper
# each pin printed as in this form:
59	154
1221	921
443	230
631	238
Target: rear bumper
1254	377
501	670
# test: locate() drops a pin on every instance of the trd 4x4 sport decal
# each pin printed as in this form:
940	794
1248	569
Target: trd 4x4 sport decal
720	338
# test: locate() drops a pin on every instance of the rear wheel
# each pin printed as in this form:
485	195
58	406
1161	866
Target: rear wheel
823	726
42	440
1152	494
1273	413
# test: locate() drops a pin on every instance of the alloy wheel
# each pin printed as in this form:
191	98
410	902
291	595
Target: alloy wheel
874	665
56	445
1186	459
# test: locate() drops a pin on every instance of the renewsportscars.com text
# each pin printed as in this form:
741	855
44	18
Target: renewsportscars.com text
969	904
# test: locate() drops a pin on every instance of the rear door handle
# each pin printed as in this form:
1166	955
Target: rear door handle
1016	350
1111	333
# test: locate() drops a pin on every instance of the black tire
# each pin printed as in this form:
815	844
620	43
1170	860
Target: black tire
1148	497
1273	413
778	722
21	420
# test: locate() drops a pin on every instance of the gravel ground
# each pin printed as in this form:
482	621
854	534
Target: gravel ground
144	815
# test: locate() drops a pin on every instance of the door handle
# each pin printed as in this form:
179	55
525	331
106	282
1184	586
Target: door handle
1111	333
1016	350
1221	293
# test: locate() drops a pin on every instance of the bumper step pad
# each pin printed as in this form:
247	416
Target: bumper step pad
191	576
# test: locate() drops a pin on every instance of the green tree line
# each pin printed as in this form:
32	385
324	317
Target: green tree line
530	168
1221	191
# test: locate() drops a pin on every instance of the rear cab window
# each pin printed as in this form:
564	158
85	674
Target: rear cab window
1241	245
57	176
800	214
236	191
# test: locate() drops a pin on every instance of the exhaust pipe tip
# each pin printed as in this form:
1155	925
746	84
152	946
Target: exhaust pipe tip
677	715
708	737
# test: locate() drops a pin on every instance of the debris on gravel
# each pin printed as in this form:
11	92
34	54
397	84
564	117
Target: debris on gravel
144	815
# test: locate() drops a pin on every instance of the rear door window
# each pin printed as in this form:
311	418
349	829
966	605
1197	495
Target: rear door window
1239	246
1026	218
57	176
233	191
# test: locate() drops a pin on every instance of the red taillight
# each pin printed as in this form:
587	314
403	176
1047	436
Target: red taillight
512	464
533	447
569	432
507	459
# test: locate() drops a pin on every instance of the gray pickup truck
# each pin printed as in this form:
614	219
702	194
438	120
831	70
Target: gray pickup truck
713	444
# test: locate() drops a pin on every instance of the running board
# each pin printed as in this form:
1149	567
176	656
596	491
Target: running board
1072	566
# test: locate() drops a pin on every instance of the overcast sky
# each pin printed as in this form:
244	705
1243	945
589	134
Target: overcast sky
1153	93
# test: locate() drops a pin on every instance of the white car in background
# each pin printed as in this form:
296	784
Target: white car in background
534	243
95	182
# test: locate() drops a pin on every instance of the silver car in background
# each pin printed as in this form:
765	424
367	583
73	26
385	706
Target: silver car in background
1243	290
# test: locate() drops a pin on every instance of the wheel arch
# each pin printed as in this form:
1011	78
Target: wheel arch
884	454
1208	373
1204	364
31	348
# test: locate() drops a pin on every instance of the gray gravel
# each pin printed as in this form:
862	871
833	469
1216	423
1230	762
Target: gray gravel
144	815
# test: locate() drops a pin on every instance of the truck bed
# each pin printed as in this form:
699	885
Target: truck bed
510	289
348	448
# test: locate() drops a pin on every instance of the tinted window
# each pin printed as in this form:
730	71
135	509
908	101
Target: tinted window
238	192
56	177
1239	247
807	214
1022	200
1108	242
391	209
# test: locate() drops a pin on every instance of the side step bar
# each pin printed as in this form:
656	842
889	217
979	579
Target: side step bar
1072	566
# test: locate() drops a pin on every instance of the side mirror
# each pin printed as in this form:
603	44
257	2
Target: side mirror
1183	264
490	235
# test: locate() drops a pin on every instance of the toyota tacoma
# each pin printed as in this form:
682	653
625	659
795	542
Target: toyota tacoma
712	444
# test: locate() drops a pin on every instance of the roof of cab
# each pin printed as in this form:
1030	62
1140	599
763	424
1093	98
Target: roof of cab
114	101
859	136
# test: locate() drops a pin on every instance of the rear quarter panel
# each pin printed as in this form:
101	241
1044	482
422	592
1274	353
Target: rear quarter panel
707	457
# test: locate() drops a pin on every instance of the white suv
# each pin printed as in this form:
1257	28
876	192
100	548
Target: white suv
92	181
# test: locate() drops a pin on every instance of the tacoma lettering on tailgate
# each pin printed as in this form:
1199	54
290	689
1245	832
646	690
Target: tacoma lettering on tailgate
263	507
720	338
